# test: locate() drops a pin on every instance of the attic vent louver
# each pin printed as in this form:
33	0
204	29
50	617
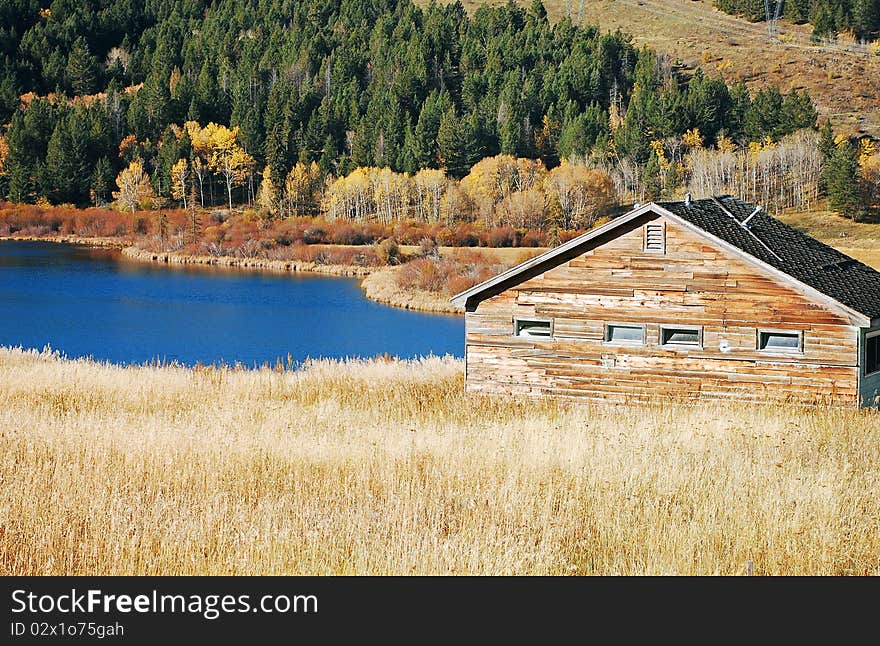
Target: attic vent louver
655	237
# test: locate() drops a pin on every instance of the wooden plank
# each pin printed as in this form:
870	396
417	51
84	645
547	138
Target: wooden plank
694	284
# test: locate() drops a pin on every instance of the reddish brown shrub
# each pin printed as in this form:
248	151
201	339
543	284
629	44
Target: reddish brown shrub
465	235
532	238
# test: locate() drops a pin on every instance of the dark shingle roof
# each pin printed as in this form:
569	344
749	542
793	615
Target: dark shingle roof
847	281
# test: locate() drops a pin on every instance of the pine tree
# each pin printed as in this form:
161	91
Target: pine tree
329	154
842	180
826	140
361	147
651	179
68	173
866	17
452	145
9	92
766	116
28	138
82	68
102	181
424	143
823	22
799	112
740	102
169	154
408	159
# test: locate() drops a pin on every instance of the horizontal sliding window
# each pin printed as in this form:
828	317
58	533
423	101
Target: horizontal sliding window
780	341
872	353
691	337
625	333
533	327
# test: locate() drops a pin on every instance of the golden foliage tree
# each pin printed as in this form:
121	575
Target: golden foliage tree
179	176
4	152
201	173
135	190
494	180
227	158
582	194
429	188
693	139
869	171
200	144
128	148
303	188
267	196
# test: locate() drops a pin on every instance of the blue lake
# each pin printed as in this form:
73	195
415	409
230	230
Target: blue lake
88	302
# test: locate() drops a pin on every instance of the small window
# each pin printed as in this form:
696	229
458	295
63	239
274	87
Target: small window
532	327
872	353
628	334
774	341
655	237
691	337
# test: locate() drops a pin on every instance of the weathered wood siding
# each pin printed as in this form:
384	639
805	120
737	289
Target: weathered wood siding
694	283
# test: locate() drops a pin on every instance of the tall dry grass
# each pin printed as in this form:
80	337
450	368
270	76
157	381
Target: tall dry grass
375	467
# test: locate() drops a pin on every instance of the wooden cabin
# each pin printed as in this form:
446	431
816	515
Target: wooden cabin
701	299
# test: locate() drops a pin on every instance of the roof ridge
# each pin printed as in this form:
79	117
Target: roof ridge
795	253
781	248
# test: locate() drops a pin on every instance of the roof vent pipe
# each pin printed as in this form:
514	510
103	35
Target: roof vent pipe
687	200
757	210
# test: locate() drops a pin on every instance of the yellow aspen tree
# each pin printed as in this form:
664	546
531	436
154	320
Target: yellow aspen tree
267	196
200	171
179	176
4	152
134	187
228	158
529	175
430	187
298	189
335	202
221	141
582	194
693	139
200	141
389	193
870	175
725	144
480	186
358	187
199	138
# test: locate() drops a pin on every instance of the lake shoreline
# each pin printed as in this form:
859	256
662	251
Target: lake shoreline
378	284
97	242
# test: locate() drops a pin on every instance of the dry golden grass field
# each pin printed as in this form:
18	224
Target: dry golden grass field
844	84
390	468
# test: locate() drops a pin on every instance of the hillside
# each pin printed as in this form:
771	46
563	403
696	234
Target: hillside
845	85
